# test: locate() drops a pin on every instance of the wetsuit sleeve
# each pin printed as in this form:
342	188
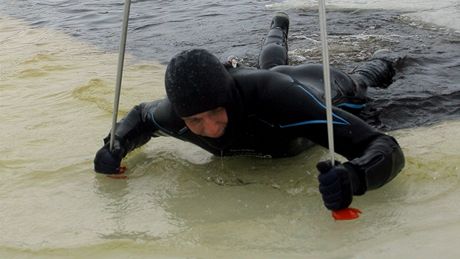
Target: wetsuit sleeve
136	128
376	157
380	162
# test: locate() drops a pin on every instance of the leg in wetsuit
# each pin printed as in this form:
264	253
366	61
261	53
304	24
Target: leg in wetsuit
348	90
275	49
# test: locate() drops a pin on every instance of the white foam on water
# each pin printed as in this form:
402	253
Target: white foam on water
445	13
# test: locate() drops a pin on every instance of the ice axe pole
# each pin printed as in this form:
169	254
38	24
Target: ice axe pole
327	78
121	59
347	213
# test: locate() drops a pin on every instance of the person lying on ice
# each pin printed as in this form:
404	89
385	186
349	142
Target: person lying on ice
277	110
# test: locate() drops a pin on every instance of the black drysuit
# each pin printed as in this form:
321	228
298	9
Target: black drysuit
278	111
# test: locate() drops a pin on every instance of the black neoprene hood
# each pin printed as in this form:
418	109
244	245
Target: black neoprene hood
196	81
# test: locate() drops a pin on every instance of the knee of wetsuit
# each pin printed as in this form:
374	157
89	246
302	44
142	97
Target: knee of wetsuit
273	55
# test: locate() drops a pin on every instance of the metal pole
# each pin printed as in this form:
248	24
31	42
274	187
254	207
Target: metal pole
121	58
327	78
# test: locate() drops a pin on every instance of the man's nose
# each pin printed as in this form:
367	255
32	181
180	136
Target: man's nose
211	127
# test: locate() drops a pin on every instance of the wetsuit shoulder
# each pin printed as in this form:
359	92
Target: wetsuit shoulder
165	118
255	86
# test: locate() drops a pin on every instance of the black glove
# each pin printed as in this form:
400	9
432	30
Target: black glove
337	184
108	162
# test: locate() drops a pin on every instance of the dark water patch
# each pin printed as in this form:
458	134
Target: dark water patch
405	112
194	22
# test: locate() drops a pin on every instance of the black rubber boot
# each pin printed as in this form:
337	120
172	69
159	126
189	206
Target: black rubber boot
394	58
379	70
281	20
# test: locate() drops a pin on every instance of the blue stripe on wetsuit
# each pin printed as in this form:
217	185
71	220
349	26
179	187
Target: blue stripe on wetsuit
352	105
340	120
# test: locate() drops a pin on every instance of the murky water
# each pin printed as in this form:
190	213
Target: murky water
179	201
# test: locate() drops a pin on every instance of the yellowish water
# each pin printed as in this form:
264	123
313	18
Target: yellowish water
178	201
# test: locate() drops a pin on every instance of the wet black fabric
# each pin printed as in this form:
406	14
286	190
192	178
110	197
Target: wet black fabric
274	50
192	77
273	114
337	184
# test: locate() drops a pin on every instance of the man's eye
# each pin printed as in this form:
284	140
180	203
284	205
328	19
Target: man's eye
194	121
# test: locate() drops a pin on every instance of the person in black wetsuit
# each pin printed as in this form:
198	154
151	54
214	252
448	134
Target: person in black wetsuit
276	110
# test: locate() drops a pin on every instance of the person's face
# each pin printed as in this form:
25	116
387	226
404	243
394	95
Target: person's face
209	123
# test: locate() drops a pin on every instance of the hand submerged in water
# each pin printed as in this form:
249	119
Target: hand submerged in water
108	162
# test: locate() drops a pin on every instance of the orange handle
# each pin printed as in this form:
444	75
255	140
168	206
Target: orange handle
346	214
